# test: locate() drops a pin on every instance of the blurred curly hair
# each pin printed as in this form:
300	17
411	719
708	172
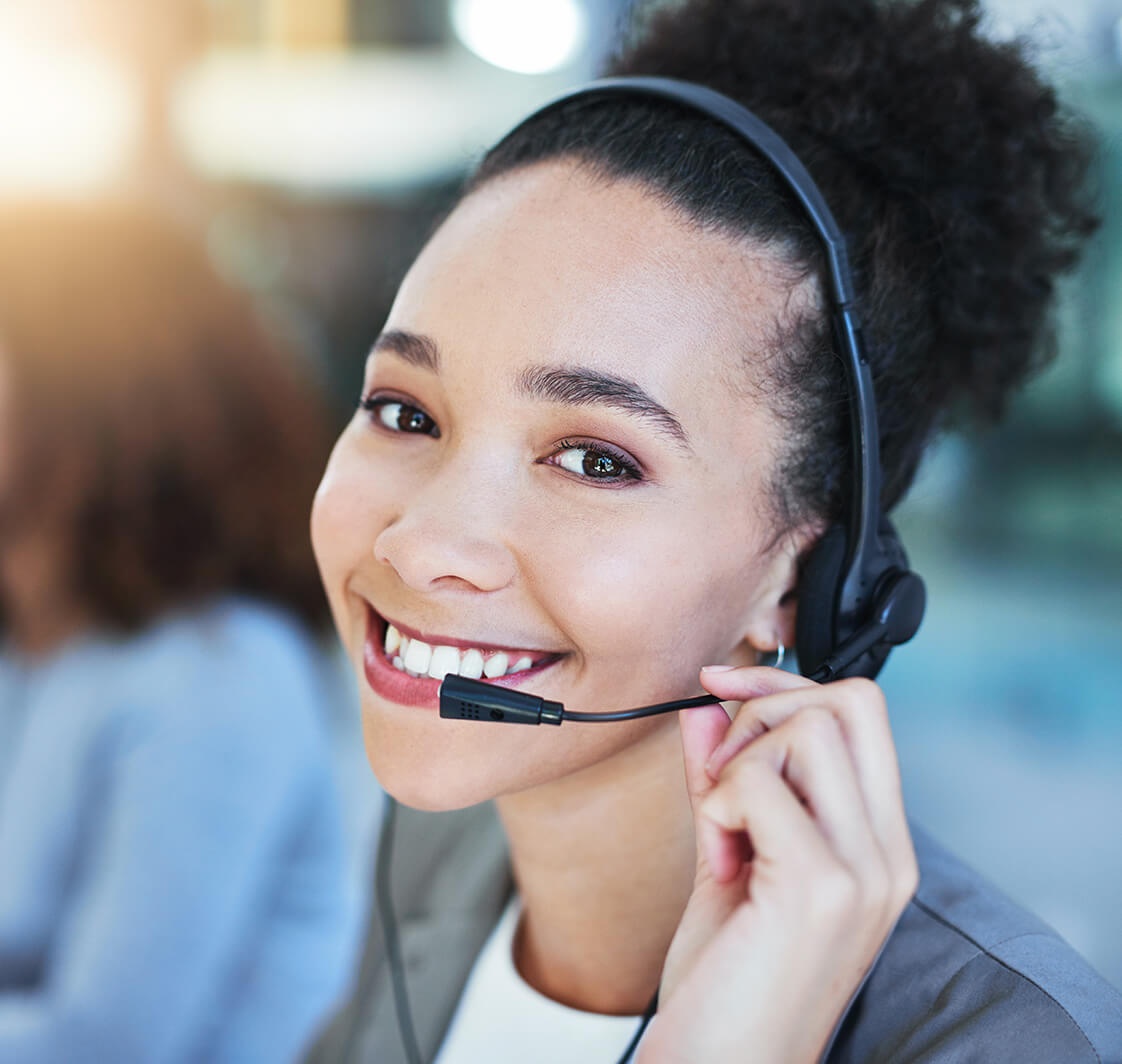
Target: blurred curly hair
958	179
155	419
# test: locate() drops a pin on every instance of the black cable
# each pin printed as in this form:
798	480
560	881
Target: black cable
644	711
647	1016
389	933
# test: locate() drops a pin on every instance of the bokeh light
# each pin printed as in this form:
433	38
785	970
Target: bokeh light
529	38
70	118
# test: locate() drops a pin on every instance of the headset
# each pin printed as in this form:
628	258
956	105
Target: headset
857	596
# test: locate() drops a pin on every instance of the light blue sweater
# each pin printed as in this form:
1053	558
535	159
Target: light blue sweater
172	883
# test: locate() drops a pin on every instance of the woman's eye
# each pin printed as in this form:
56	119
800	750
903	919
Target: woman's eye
398	416
594	462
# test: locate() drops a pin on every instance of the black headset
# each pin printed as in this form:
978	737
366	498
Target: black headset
857	596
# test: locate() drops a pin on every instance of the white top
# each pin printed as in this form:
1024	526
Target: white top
503	1020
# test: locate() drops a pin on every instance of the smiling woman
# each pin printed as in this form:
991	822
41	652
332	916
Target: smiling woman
602	431
563	488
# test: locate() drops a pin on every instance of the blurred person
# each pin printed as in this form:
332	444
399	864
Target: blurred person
604	453
172	880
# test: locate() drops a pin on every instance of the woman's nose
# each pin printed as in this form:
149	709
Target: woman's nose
443	535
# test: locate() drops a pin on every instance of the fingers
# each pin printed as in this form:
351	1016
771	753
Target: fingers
800	775
859	708
807	753
702	731
746	685
755	799
750	681
831	746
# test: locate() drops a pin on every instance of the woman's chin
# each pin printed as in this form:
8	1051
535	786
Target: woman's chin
428	783
430	793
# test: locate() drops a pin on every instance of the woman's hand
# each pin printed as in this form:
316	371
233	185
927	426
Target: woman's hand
804	864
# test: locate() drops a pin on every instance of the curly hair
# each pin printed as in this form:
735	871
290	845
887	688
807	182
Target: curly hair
958	179
155	418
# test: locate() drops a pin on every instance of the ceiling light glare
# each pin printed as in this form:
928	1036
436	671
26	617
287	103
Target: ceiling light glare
69	118
527	37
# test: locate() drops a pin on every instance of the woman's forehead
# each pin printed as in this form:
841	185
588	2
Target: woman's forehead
554	265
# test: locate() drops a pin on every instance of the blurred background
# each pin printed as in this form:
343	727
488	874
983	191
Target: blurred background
310	144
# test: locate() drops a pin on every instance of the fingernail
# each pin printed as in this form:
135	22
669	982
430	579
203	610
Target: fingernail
717	668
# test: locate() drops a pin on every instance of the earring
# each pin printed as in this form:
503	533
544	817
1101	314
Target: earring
780	653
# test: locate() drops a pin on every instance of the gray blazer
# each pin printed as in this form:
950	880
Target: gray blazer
967	976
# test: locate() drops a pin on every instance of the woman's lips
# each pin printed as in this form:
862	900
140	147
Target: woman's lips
396	686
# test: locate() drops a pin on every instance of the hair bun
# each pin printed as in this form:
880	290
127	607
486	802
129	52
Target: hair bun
946	159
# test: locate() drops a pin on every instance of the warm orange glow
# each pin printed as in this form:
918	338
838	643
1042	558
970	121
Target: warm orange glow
70	118
306	25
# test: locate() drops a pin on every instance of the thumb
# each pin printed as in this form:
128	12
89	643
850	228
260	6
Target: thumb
719	853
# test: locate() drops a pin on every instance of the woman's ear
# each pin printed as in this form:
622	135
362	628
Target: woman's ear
771	619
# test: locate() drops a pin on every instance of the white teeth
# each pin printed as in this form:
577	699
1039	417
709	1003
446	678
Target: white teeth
417	657
496	666
471	664
444	661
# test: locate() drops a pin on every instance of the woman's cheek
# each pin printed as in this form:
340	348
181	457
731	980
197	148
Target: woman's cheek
626	594
340	519
706	583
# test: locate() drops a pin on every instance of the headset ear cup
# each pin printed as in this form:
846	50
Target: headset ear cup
815	635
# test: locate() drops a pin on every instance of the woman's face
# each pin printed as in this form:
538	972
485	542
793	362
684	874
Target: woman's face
564	459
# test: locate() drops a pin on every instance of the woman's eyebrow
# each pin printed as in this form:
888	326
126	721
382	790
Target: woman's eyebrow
580	386
573	385
416	349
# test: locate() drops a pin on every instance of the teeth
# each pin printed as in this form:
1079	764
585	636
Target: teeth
496	666
471	664
417	657
444	661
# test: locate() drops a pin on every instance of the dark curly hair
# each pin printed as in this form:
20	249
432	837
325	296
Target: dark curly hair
957	178
154	418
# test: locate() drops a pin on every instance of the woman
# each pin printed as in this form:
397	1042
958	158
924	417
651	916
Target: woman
601	431
170	837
